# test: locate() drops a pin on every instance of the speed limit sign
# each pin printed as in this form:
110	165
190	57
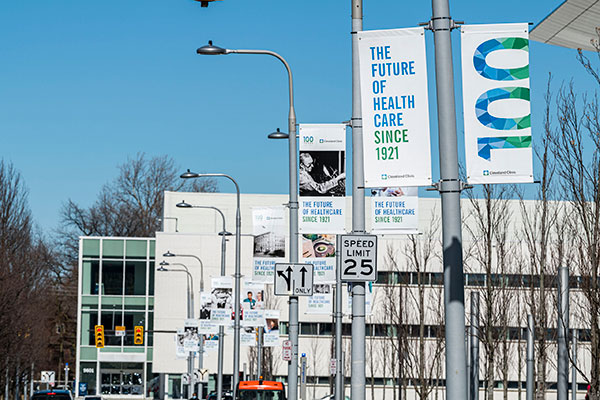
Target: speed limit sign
359	258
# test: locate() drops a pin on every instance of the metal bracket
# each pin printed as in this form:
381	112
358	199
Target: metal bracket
449	186
453	24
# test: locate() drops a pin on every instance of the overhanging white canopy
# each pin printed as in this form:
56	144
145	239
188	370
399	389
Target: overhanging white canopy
573	24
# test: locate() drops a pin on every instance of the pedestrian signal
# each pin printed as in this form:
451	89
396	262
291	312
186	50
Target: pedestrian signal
99	333
138	335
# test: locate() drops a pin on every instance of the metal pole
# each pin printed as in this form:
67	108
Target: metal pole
574	365
259	353
238	273
338	322
221	328
31	378
357	373
449	188
530	357
562	387
474	381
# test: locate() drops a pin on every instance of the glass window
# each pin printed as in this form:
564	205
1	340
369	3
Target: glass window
152	248
136	249
135	278
437	278
308	328
112	277
91	247
151	279
110	320
90	275
89	319
149	329
112	248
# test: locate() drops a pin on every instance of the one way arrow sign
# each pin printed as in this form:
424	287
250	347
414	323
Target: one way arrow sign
294	279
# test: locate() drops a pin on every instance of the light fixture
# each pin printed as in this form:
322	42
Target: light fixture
278	135
211	50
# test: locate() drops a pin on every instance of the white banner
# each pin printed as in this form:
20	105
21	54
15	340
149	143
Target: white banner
191	340
395	107
322	178
211	344
221	300
497	112
268	228
248	338
319	250
321	302
395	210
180	351
253	318
271	328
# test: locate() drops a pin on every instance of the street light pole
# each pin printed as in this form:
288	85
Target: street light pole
450	187
357	374
190	313
293	204
237	275
224	233
201	337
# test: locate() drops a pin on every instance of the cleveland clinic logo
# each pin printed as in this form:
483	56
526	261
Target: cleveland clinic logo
486	172
384	176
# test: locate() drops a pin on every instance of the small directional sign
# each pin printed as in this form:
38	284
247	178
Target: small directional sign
294	279
359	258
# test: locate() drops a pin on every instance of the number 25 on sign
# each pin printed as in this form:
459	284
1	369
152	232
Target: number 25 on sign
359	258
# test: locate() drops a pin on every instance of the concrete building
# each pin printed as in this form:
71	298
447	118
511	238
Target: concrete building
407	306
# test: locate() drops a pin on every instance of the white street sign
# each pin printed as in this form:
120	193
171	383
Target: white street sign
286	354
201	375
294	279
48	377
185	379
332	366
286	344
359	258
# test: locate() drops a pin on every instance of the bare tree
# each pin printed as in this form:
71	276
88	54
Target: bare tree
487	226
131	204
576	149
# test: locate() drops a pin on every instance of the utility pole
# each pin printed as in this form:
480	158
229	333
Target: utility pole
339	376
357	372
530	358
562	388
450	187
474	345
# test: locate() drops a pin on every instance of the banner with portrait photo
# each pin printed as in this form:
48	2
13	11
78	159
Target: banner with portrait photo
271	328
321	302
221	300
319	250
322	178
395	210
180	351
496	103
269	231
191	338
211	343
253	295
395	107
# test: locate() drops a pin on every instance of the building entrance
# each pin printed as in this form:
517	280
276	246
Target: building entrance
122	381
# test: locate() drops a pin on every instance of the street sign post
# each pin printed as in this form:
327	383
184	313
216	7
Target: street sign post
303	377
294	279
185	379
359	258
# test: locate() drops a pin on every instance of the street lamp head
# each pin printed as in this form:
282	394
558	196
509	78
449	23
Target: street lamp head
225	233
168	254
278	135
183	204
163	263
209	49
188	174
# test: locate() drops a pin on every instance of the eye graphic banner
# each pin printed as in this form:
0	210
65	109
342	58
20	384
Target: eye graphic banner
395	108
496	102
319	250
322	178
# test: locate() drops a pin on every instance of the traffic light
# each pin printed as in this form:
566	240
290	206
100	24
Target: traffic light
138	335
99	331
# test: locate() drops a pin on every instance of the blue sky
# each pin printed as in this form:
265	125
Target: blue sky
85	84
